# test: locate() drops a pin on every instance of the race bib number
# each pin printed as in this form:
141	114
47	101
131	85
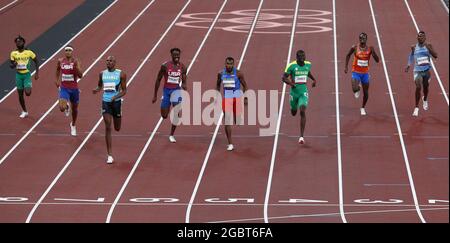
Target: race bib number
300	79
109	87
21	66
363	63
173	80
68	78
229	83
423	61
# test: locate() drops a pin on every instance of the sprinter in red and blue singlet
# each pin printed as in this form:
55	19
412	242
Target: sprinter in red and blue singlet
174	73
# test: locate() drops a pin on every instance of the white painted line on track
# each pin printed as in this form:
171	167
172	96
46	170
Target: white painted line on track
56	103
283	94
444	92
327	215
216	130
71	39
338	120
144	150
397	121
30	215
7	5
445	5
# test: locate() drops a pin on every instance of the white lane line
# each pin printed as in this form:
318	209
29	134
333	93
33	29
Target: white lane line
144	150
99	200
55	53
56	103
30	215
338	120
219	122
328	215
445	5
444	92
283	94
437	158
9	4
397	121
368	184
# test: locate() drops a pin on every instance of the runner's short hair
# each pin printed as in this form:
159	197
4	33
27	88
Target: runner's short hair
421	32
229	59
175	49
363	34
19	37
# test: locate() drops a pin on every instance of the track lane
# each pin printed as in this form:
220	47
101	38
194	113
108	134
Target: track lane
22	175
26	26
139	121
426	136
178	166
431	17
371	150
309	171
226	175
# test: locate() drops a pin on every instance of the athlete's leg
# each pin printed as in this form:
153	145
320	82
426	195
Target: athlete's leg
22	99
74	101
366	94
418	80
63	104
294	104
107	119
228	133
28	91
426	84
302	120
74	112
355	85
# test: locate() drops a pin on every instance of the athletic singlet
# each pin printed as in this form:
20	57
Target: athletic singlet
22	59
421	58
361	60
231	84
111	84
173	75
68	74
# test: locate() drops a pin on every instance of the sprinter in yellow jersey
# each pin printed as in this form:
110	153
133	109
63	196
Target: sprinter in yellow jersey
20	60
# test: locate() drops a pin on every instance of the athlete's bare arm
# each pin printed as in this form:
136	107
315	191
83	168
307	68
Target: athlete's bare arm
374	54
99	84
184	79
288	80
312	78
58	73
347	58
161	72
36	66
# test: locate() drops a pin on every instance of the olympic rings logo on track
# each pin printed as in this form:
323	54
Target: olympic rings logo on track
270	21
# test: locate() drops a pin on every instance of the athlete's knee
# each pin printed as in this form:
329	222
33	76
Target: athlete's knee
28	92
303	111
117	128
294	112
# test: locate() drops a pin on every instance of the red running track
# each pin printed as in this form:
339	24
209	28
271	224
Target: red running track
374	168
30	13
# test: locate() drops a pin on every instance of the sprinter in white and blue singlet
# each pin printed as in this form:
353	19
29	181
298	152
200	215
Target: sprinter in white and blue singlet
174	73
421	54
231	79
113	82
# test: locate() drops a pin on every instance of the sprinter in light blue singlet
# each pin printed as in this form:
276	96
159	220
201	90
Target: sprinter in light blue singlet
420	55
113	83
